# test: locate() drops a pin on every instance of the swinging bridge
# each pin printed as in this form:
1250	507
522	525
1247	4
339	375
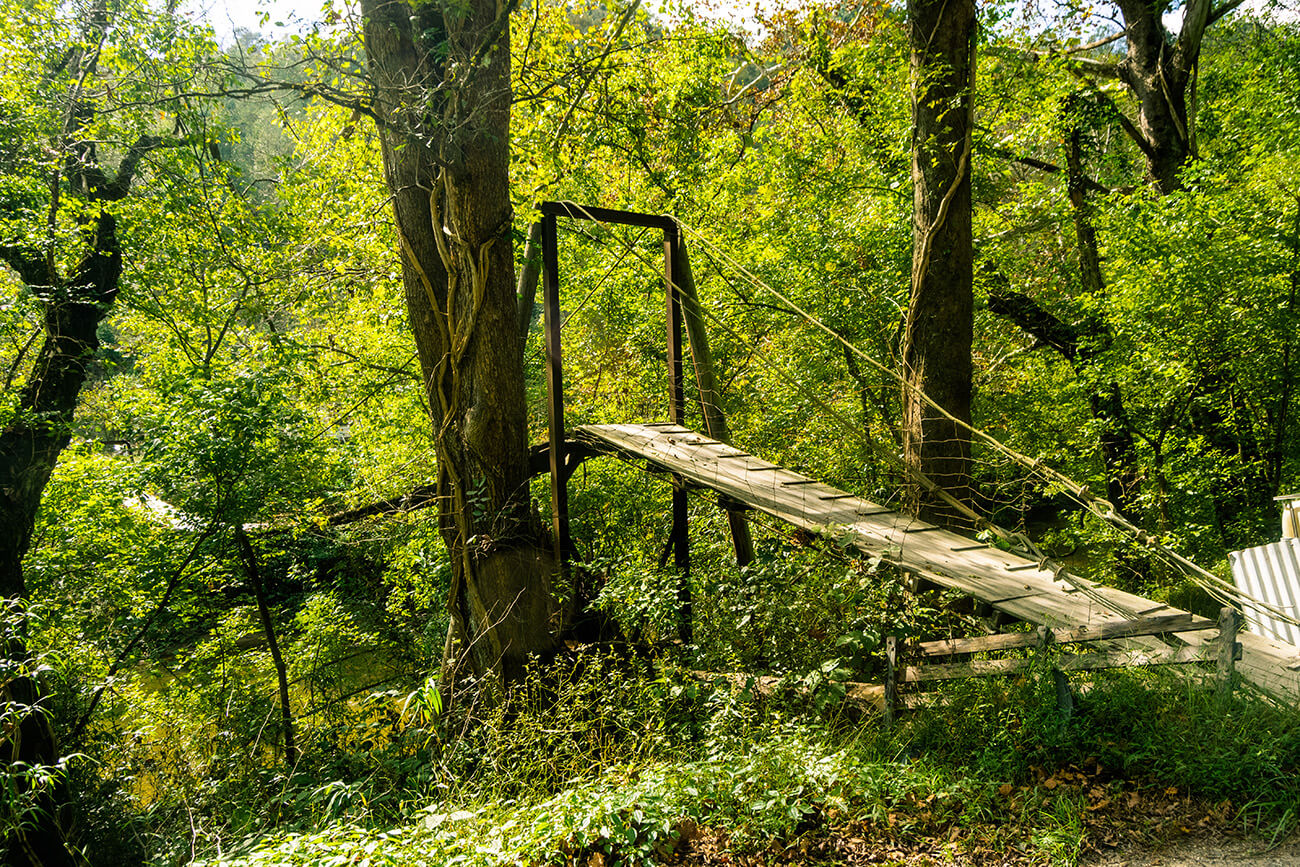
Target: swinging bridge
1031	590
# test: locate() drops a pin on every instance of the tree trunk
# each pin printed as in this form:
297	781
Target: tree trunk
1106	401
29	448
442	84
253	572
74	305
1160	70
938	330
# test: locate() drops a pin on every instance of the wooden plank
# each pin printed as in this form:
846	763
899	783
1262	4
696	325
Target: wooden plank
1029	593
1065	662
1128	658
1106	631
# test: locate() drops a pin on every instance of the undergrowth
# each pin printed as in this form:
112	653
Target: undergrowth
604	757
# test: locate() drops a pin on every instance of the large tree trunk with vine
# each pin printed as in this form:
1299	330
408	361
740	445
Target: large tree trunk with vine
938	331
441	75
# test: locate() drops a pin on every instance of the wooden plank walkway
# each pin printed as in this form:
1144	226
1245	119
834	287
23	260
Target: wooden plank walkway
1006	581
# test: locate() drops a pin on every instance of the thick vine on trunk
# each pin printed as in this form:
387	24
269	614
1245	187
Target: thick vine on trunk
939	327
441	76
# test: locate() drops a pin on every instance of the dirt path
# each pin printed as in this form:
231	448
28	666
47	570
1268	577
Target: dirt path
1211	850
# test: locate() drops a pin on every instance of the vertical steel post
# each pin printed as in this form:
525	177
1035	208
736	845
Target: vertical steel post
555	388
677	415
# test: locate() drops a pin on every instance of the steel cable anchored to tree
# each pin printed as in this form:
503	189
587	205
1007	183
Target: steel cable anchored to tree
1221	590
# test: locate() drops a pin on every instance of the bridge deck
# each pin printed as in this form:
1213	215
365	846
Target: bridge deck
1006	581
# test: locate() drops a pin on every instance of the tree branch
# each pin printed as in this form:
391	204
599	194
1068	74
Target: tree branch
418	498
1223	10
1092	66
117	189
1035	320
1100	42
1045	166
31	266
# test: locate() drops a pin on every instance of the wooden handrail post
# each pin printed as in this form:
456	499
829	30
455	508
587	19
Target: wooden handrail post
891	680
555	388
1226	668
681	540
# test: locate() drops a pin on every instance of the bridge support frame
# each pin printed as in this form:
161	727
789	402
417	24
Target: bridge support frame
680	539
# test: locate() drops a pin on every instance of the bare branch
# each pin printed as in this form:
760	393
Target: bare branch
1099	43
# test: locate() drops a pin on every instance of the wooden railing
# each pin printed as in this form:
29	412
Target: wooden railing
909	664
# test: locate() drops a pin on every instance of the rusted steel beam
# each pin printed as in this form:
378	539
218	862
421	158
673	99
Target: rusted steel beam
608	215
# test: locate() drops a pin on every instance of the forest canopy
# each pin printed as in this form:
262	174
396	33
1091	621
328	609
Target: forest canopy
277	554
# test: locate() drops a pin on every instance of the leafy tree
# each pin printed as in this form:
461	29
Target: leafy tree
65	68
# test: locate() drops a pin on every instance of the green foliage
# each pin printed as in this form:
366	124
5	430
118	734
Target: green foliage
24	787
258	371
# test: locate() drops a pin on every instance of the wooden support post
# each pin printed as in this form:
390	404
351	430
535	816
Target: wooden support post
911	582
1229	624
1064	697
677	415
555	389
715	421
891	680
1061	683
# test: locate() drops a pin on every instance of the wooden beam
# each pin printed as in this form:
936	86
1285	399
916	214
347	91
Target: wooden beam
607	215
1009	641
1065	662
